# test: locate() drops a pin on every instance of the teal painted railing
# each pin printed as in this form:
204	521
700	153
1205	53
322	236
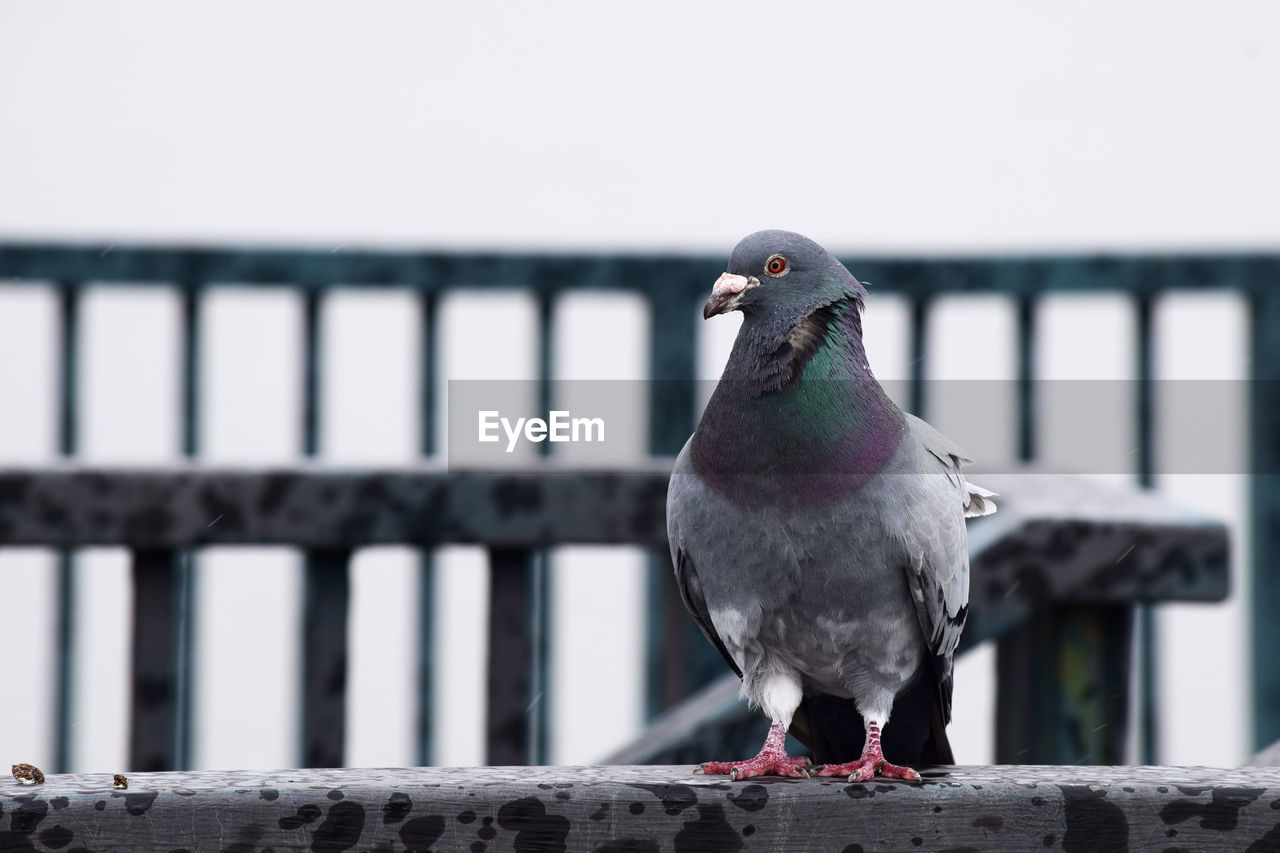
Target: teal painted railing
673	288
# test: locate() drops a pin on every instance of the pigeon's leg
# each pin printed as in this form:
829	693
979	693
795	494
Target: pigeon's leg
872	762
779	695
772	760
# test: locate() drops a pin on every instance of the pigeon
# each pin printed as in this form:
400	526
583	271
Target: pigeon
818	532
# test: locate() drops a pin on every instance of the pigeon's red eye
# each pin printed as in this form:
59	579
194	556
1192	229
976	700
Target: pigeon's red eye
776	265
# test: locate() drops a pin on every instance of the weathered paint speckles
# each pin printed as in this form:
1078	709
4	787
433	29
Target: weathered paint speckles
396	808
675	798
628	845
1093	824
1221	813
27	815
341	828
303	815
55	837
138	804
417	835
536	830
751	798
1267	843
710	832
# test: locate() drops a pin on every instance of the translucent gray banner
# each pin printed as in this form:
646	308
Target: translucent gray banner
1078	426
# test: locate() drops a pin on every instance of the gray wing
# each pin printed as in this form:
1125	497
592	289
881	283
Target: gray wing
687	580
938	573
691	594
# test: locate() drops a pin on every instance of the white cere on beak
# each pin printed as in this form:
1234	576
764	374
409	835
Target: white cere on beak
727	292
729	284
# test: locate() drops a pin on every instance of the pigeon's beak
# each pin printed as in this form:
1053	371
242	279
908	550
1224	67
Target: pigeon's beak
726	294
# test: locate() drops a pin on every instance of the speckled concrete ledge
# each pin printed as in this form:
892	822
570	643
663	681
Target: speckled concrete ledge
645	810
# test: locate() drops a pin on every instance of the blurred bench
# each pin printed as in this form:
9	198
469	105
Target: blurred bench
1056	576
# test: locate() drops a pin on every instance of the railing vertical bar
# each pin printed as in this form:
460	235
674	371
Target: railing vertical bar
1026	355
1264	522
428	390
69	367
154	731
536	711
546	355
1148	639
427	306
1028	694
324	669
190	293
1061	689
327	588
540	676
918	351
508	676
64	689
65	595
189	340
312	298
1144	396
679	660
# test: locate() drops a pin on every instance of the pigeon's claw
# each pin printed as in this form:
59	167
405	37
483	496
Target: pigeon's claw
772	760
866	769
762	765
897	771
871	763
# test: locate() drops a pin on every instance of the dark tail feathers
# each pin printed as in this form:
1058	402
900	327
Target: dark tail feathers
916	735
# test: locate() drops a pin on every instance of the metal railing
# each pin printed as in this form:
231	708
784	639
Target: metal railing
1045	583
672	288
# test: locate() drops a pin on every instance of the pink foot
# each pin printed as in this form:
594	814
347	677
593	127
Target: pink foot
871	764
771	761
864	769
761	765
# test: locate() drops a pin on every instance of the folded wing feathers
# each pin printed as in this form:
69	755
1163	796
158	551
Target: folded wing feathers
978	501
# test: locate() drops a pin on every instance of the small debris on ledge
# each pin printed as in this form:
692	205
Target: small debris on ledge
28	774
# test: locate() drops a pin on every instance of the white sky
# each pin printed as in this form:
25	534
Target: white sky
875	127
880	126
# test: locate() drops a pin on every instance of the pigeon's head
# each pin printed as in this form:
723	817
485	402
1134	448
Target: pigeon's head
782	275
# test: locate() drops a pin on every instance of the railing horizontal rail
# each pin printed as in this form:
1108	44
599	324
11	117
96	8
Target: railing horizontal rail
549	272
649	809
1074	536
1057	539
309	507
